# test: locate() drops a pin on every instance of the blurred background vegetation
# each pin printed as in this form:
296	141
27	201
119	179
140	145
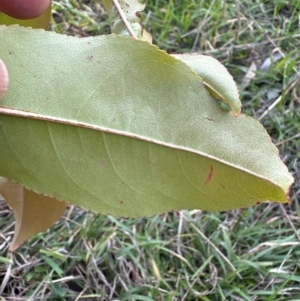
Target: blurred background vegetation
247	254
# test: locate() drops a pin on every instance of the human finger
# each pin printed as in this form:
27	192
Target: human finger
24	9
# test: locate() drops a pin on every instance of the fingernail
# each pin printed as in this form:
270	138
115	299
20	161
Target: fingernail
3	79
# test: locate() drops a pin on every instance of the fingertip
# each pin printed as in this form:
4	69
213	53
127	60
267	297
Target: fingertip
3	79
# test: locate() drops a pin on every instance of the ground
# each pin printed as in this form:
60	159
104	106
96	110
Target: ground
247	254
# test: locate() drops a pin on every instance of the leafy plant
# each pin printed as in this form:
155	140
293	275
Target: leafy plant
115	125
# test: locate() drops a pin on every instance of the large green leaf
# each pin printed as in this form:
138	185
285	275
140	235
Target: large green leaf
117	126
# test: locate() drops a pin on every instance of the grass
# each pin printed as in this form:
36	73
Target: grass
247	254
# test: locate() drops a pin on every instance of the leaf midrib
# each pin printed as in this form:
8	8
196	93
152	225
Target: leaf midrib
31	115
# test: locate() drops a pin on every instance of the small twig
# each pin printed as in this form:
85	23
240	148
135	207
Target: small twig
201	24
123	17
179	232
81	293
271	107
290	222
288	139
286	90
7	274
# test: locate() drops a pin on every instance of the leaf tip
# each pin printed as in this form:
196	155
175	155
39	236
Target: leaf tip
14	246
288	199
236	111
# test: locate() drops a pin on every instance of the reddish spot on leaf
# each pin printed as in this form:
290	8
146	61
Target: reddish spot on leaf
258	203
210	175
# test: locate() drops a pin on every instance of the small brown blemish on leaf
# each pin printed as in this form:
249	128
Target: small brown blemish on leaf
210	175
222	185
210	119
258	203
90	57
121	202
138	15
102	162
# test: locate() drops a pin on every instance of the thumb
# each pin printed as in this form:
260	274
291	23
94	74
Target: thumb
3	79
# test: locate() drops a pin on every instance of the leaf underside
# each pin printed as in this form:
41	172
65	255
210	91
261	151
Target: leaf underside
160	141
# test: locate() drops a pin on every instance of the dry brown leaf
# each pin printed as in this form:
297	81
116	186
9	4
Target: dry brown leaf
33	212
